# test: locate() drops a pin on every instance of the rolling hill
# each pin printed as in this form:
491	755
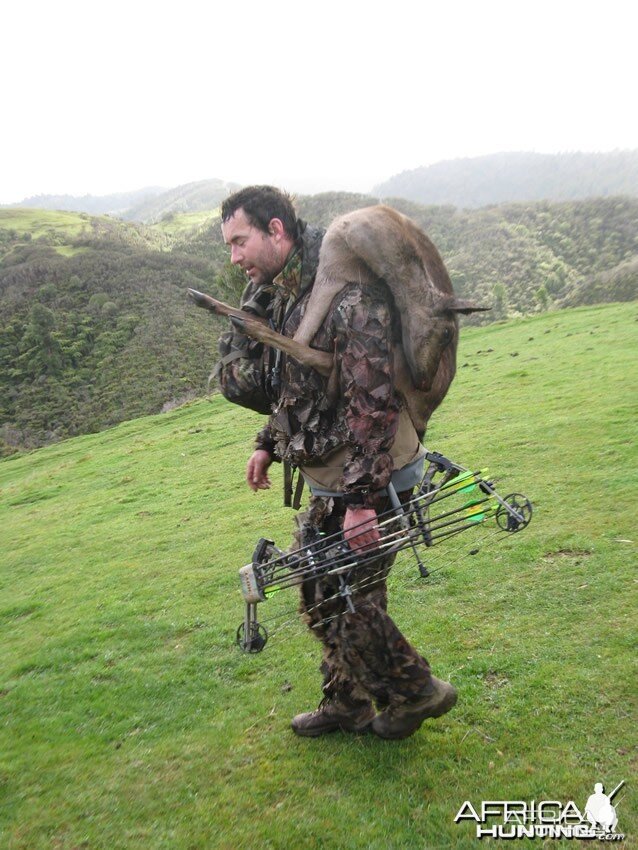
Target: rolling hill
96	327
188	198
505	177
115	204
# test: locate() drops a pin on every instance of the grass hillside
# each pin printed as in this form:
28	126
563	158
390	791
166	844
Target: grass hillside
130	720
186	225
58	229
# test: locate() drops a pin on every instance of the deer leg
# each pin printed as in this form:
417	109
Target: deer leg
321	361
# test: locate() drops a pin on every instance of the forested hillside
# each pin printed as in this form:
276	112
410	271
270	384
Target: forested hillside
466	183
503	177
521	258
96	326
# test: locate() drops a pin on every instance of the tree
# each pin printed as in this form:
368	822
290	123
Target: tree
542	297
41	350
499	306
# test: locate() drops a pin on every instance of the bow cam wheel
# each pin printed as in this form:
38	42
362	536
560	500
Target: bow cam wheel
256	639
518	517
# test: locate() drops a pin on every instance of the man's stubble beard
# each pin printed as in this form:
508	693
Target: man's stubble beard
270	266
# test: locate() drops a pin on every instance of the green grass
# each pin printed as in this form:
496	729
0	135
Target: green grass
185	224
68	250
130	720
43	222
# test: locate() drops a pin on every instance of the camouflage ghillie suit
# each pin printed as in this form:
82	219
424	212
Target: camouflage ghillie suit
356	412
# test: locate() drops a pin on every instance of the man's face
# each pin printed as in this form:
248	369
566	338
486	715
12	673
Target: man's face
261	255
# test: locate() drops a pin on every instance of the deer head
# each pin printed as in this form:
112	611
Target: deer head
431	331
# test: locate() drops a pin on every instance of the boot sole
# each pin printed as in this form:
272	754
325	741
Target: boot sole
359	729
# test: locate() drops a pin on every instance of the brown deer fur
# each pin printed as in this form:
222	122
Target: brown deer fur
371	244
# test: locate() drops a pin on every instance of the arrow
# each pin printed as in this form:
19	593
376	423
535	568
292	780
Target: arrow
617	788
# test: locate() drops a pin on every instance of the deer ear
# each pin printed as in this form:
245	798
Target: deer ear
461	305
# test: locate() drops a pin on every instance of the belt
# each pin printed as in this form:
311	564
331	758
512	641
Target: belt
402	479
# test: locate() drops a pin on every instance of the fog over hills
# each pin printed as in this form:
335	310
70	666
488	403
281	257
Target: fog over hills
505	177
191	197
116	204
465	183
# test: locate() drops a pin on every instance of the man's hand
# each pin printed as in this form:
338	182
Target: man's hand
257	470
360	528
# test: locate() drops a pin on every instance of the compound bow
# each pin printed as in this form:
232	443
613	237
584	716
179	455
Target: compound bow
450	499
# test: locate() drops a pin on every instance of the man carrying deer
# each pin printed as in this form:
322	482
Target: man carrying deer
344	424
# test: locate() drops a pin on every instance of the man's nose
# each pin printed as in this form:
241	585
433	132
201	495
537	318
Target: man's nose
235	255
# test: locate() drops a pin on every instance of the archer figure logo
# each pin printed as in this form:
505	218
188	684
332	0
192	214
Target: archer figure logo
546	819
599	811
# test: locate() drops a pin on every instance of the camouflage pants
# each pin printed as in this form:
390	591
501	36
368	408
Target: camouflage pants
365	656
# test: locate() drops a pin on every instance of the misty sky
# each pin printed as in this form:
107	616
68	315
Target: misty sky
100	98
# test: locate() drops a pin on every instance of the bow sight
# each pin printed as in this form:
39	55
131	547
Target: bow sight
449	500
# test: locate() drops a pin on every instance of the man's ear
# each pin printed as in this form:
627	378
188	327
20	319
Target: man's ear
276	228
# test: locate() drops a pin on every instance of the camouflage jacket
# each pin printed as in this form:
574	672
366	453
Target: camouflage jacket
309	421
245	369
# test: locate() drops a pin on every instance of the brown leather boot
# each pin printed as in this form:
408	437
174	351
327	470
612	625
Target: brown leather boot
401	721
331	716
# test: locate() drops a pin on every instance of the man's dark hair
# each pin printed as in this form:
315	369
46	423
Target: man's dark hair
261	204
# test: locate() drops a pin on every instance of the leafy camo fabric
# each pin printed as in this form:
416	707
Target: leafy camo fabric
356	407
